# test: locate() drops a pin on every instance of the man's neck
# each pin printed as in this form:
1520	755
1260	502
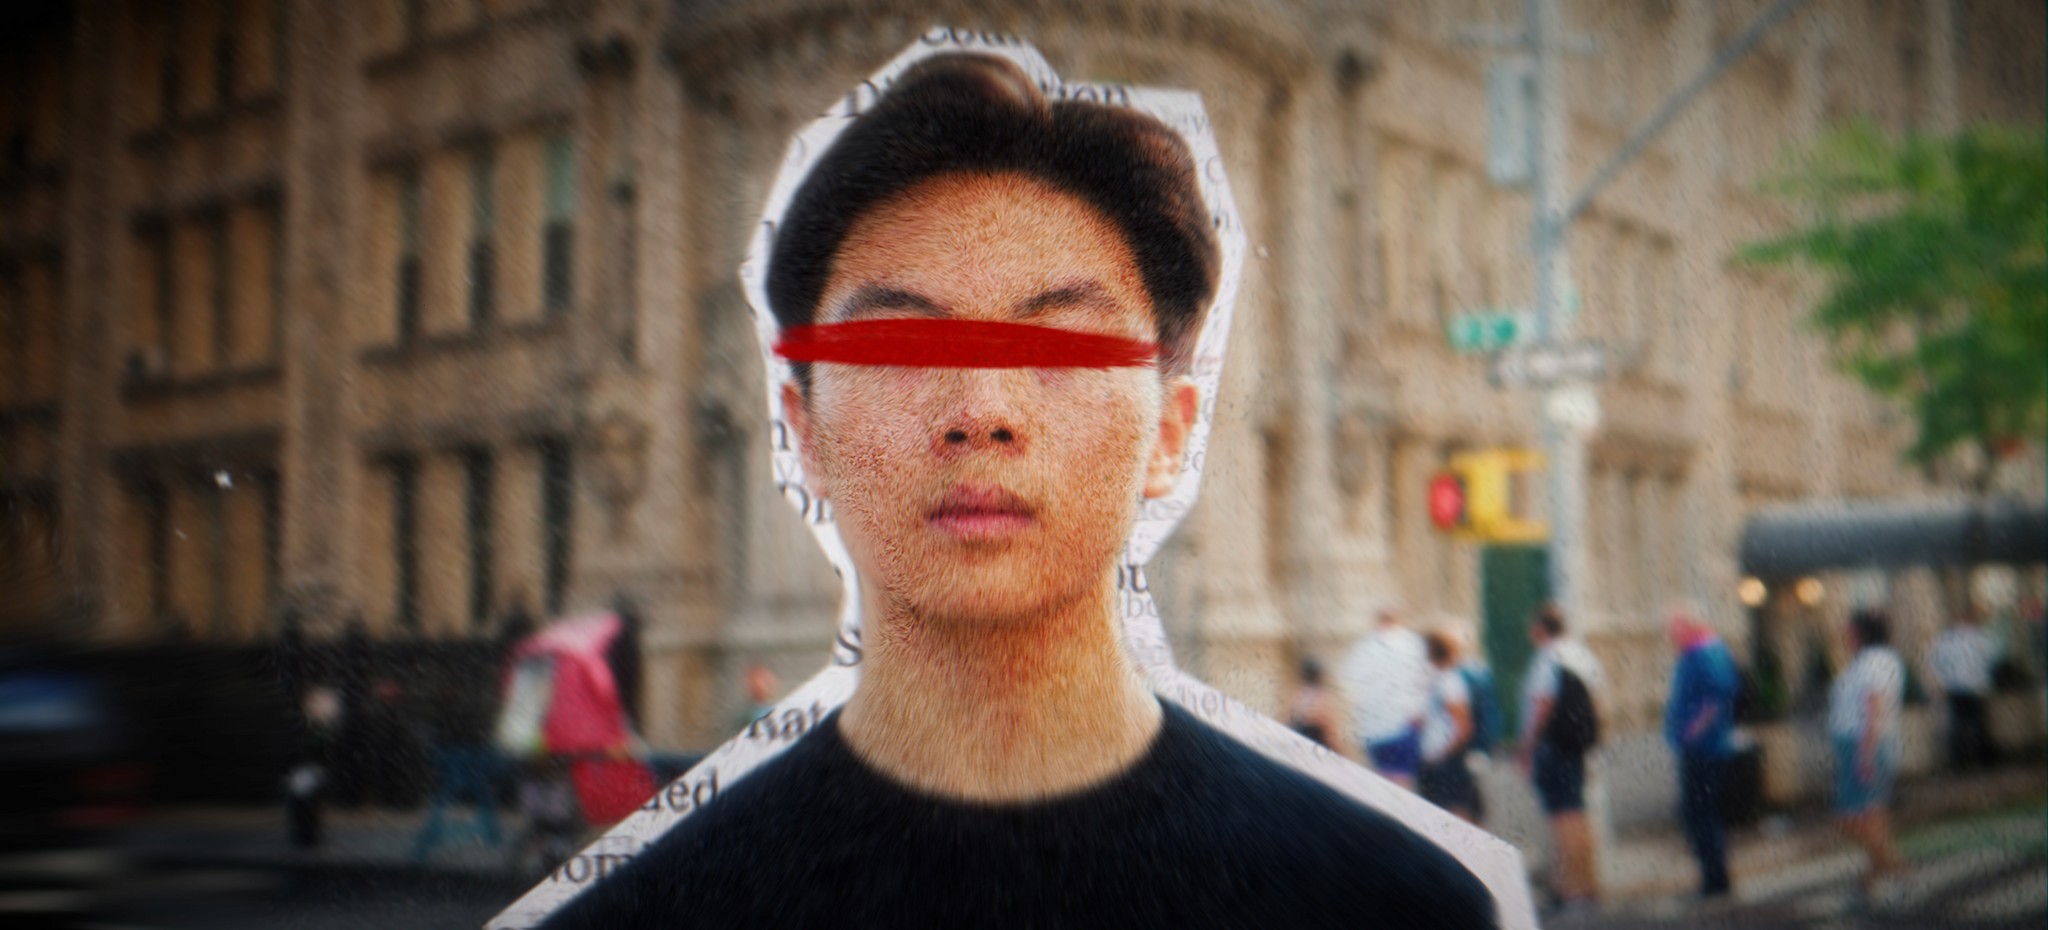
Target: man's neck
999	712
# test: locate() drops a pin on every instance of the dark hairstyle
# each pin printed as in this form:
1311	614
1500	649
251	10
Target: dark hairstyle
963	113
1311	670
1871	626
1551	618
1441	648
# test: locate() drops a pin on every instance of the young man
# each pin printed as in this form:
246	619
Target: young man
1555	765
1699	725
1001	762
1387	678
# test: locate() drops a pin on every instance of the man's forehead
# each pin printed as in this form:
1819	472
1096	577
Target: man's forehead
1005	211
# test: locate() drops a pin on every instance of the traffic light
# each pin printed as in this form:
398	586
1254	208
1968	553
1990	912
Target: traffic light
1485	495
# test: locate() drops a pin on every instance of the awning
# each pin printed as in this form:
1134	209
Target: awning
1805	538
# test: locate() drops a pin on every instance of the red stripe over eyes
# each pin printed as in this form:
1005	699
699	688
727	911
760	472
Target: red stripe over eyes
960	344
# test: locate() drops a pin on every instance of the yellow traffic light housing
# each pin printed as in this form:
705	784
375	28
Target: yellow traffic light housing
1499	500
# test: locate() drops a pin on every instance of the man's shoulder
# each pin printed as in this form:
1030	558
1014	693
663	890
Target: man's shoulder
737	837
1332	845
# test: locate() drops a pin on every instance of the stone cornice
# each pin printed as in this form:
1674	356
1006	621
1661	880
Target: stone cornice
705	37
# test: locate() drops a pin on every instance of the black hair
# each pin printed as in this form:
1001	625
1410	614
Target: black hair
967	113
1871	626
1440	646
1551	618
1311	670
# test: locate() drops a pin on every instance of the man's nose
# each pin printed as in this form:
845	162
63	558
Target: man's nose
981	416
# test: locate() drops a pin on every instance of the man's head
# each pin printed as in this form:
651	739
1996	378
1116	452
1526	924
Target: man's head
1443	648
1464	634
1547	625
1683	626
964	195
967	115
1869	627
761	684
1311	671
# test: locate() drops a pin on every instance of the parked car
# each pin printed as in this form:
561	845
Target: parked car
71	783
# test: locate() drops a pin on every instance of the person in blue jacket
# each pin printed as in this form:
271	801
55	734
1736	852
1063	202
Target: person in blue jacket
1699	723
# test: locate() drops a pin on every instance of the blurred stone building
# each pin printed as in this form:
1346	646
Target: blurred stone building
413	311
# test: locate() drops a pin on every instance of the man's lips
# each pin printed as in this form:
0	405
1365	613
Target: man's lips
981	512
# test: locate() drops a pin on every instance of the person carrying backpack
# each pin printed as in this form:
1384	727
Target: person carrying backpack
1487	716
1560	725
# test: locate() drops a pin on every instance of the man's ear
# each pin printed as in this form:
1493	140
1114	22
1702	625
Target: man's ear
797	412
1176	421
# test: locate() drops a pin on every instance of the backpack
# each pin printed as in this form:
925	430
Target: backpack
1486	712
1573	726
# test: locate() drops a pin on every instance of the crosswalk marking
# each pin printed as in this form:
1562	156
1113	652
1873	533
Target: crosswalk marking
2019	896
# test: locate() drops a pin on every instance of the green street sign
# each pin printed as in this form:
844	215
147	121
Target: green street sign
1477	332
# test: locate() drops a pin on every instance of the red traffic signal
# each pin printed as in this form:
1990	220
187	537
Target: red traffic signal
1447	501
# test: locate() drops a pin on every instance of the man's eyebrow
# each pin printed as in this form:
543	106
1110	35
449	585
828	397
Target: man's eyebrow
1072	295
872	297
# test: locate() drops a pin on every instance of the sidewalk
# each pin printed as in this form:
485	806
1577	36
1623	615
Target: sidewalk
363	840
1792	851
1783	854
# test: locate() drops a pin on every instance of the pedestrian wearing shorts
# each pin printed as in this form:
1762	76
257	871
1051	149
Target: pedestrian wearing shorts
1557	773
1863	724
1445	780
1386	680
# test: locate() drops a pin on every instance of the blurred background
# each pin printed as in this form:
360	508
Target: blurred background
345	346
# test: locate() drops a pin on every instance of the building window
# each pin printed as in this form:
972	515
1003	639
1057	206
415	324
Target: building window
224	50
164	309
207	292
480	478
214	508
172	60
405	526
558	235
221	319
409	254
14	348
30	570
483	174
156	510
415	21
210	547
269	486
556	514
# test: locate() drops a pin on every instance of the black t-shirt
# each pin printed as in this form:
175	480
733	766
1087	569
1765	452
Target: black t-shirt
1200	832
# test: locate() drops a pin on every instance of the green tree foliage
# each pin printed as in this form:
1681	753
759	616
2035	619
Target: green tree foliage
1935	253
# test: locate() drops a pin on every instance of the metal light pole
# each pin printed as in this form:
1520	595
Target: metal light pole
1570	409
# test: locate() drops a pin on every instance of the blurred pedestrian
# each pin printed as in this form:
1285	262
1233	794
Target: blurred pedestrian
1446	732
306	785
1699	723
1487	715
1312	711
762	687
1963	657
1863	722
1386	679
1559	727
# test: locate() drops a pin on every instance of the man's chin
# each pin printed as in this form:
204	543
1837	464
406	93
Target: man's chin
985	601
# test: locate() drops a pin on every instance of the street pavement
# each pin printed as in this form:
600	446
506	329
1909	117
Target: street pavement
252	898
1979	846
1983	872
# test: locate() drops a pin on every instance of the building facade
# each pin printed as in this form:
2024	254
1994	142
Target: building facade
409	312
